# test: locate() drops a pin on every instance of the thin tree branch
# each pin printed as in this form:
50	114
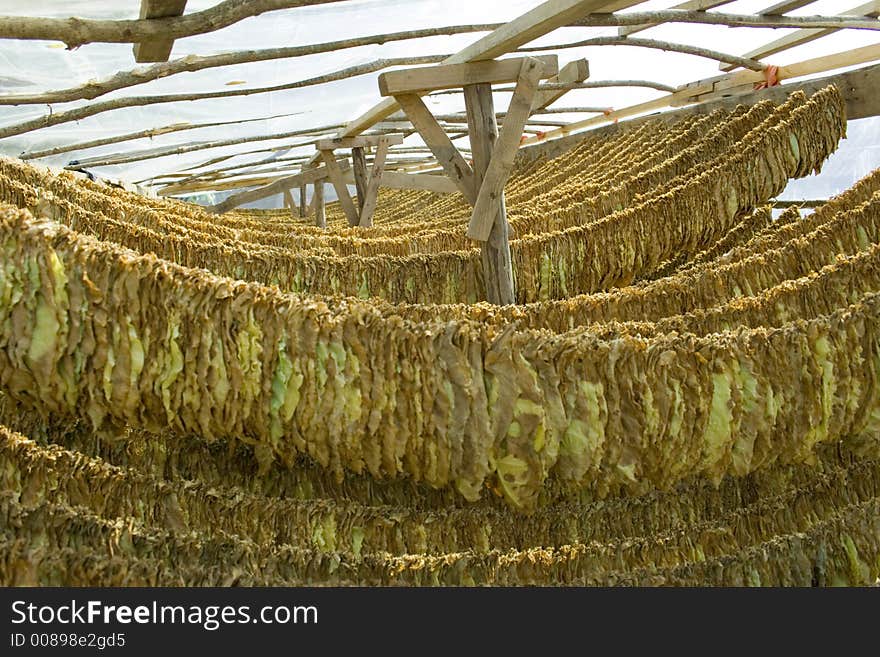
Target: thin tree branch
731	20
182	149
57	118
192	63
136	156
744	62
79	31
153	132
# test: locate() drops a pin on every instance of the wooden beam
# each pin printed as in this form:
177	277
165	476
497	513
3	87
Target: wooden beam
690	5
423	182
571	73
157	49
357	142
320	214
335	174
801	37
495	252
275	187
288	200
371	195
361	174
215	185
451	76
504	153
541	20
303	207
455	166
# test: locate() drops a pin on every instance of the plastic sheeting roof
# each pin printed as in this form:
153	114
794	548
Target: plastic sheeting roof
34	66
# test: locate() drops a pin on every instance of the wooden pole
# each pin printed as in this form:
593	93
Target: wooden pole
359	166
483	128
320	216
303	211
504	153
371	194
335	173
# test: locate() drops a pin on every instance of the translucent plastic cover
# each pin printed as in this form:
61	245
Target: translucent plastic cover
39	66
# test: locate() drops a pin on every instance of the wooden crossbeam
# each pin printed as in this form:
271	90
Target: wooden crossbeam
357	142
361	174
424	182
157	50
571	73
275	187
453	76
801	37
318	198
455	166
303	205
488	202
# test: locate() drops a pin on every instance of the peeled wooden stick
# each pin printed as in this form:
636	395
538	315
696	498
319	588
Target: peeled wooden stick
732	20
57	118
152	132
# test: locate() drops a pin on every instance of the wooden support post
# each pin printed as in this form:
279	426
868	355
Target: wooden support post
483	128
303	207
488	201
320	217
359	166
455	166
158	50
288	200
371	194
271	187
335	174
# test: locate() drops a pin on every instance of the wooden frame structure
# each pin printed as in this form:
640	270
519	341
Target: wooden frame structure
480	175
367	180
